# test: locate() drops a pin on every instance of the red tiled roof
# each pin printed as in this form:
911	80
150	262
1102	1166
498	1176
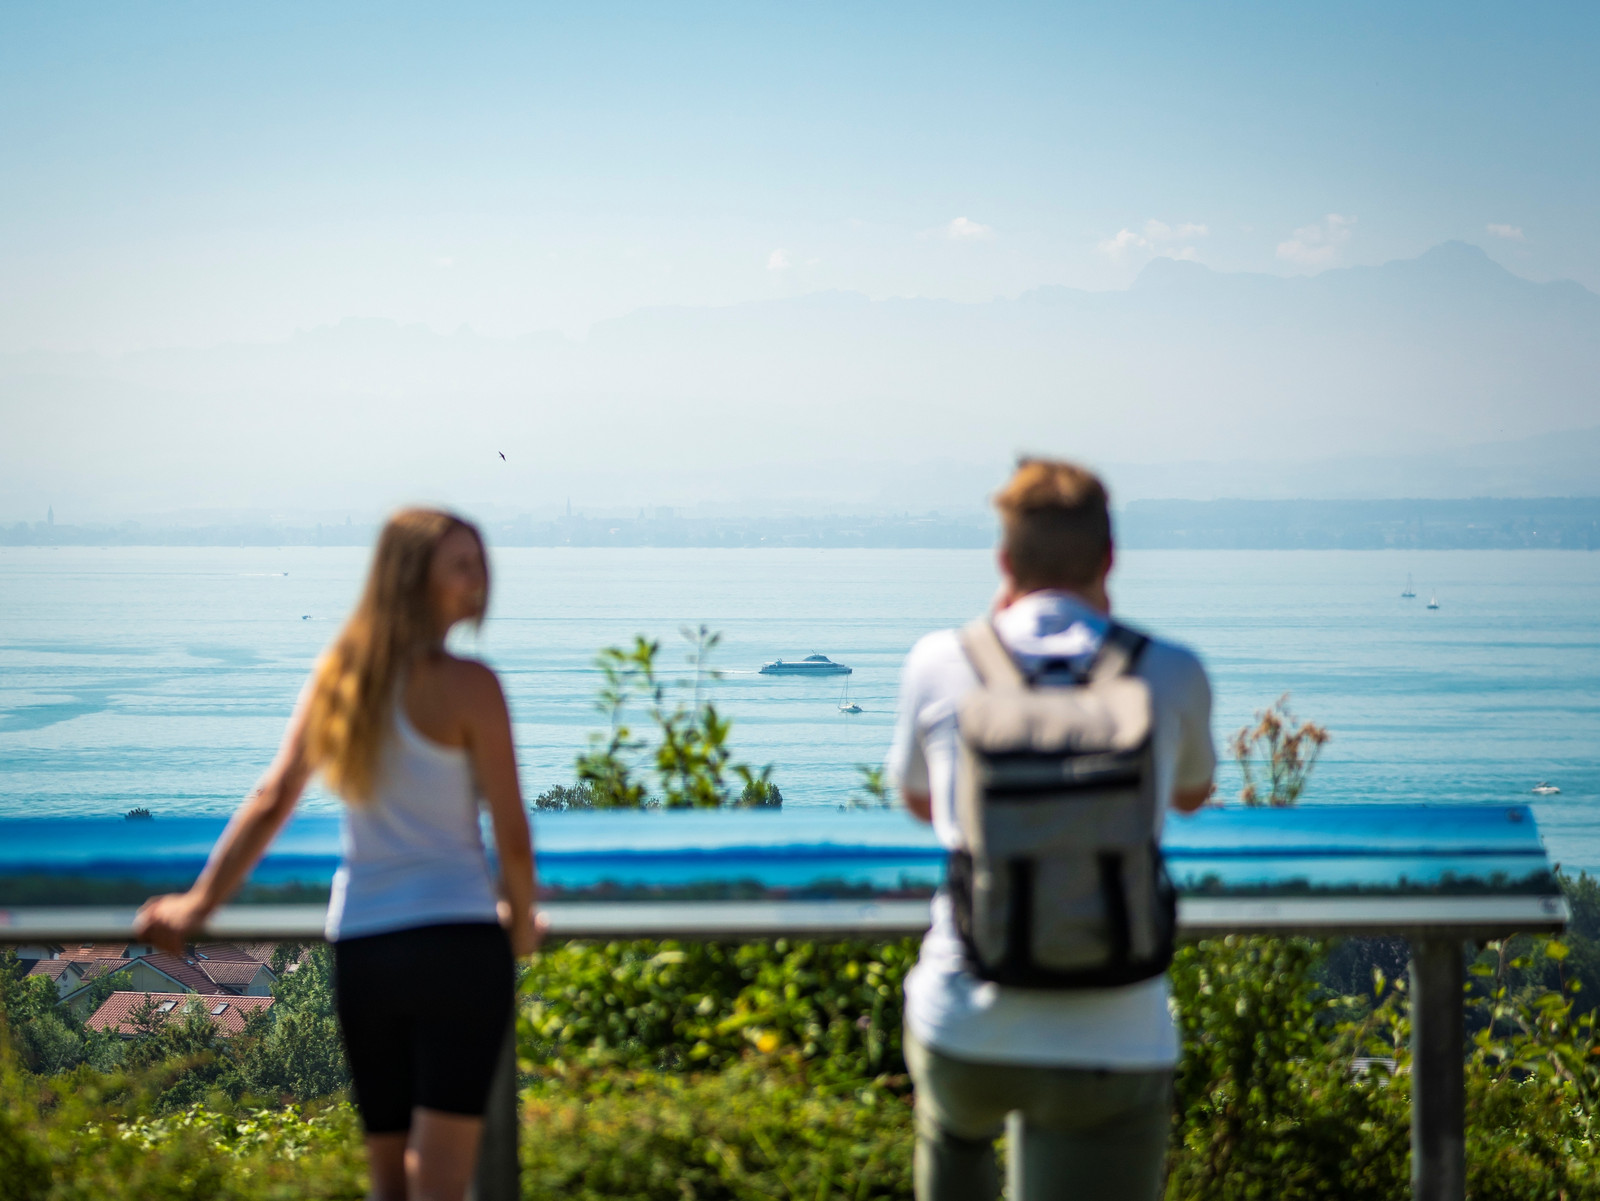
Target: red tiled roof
225	952
261	952
93	969
49	967
234	974
187	973
95	950
120	1007
207	977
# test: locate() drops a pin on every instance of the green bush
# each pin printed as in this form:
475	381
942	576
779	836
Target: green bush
1268	1106
760	1129
702	1006
89	1137
690	762
1271	1106
293	1050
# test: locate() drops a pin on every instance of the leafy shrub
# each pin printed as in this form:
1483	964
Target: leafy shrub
1268	1106
761	1129
293	1050
286	1133
1271	1106
88	1137
676	1005
1533	1080
690	761
47	1037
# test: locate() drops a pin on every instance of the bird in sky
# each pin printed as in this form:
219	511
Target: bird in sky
502	455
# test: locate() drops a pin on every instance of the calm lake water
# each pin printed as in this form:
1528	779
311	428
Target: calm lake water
162	676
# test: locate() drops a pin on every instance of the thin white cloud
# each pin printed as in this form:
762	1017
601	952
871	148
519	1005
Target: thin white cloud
1124	241
445	260
1316	244
963	230
1157	239
1514	232
778	260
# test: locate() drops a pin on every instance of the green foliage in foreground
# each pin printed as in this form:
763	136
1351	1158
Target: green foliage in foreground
658	1070
1271	1103
641	1005
88	1137
761	1129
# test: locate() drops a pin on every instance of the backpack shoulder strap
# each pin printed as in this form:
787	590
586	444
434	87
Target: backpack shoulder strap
989	657
1119	652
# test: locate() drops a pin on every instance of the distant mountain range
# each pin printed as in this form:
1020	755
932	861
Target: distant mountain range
1443	375
1565	463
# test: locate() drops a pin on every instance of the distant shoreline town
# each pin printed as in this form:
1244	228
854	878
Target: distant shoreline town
1559	523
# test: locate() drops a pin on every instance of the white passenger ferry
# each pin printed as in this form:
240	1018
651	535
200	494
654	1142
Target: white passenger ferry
811	665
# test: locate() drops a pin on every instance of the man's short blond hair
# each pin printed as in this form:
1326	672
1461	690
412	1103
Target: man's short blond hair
1055	520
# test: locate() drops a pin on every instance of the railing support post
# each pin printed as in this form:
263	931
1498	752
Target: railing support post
1438	1074
499	1176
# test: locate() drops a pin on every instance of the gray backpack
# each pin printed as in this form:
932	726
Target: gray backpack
1062	884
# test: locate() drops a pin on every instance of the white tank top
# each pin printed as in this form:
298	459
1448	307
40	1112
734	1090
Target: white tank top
413	855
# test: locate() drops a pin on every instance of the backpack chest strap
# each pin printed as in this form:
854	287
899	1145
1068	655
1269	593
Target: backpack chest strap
1119	653
996	668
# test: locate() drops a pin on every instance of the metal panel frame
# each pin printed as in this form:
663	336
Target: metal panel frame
1464	917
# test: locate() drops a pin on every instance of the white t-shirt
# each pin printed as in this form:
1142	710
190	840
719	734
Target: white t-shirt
947	1008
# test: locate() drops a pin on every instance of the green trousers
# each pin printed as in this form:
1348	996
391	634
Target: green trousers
1075	1134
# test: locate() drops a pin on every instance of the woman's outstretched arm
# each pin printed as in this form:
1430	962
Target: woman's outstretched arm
168	922
494	766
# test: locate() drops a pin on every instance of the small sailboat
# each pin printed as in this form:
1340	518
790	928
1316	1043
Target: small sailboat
1545	788
846	705
1410	590
1433	602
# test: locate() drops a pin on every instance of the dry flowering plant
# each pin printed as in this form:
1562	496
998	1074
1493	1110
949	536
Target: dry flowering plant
1282	747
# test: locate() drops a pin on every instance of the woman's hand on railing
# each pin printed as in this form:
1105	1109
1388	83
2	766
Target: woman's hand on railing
527	934
169	922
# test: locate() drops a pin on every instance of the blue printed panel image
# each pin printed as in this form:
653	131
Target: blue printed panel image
1445	850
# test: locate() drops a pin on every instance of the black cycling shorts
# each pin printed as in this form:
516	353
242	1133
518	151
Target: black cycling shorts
424	1014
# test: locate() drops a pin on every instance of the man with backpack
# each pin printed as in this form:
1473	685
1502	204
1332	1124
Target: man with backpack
1045	742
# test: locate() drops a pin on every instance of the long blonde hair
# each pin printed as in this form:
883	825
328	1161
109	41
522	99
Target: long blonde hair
353	687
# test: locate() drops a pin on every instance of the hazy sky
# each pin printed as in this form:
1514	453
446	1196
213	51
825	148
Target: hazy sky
183	175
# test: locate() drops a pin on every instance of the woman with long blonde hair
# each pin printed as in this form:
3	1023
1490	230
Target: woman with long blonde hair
412	738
